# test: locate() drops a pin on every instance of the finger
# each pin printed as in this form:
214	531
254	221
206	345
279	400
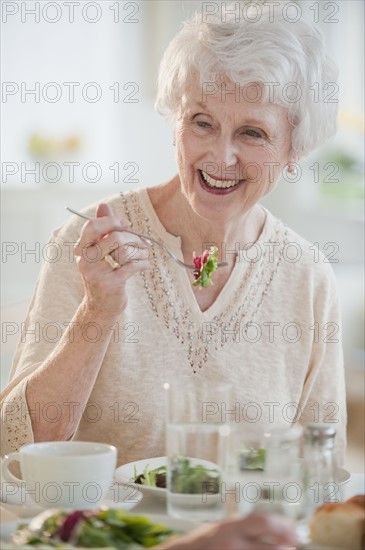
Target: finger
113	263
94	257
129	268
270	528
104	223
135	267
92	262
116	239
104	210
123	247
130	253
98	269
95	230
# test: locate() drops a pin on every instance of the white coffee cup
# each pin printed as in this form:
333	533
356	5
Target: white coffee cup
64	474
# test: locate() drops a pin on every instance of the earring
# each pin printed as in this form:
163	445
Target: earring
292	169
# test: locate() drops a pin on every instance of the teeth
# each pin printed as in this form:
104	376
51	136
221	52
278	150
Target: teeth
218	183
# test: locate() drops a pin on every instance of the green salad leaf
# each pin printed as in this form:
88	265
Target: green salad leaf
197	479
151	478
252	459
205	265
185	478
112	528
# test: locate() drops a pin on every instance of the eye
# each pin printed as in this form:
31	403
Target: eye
203	124
253	133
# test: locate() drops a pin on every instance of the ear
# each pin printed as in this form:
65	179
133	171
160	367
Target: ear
293	162
293	158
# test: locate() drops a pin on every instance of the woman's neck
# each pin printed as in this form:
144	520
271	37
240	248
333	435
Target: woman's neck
197	233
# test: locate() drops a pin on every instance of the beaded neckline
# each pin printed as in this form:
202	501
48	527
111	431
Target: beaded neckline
173	310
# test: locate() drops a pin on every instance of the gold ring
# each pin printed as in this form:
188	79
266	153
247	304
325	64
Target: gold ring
110	260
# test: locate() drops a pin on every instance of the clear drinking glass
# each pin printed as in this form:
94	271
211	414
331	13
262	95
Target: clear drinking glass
197	430
263	469
319	467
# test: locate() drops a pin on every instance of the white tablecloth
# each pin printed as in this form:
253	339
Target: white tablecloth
148	505
356	486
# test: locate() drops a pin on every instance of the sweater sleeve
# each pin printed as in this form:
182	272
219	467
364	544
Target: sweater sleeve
57	295
323	398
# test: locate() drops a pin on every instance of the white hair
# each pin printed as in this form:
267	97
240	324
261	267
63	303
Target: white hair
262	50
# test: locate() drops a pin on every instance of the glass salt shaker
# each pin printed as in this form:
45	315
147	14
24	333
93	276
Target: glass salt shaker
319	468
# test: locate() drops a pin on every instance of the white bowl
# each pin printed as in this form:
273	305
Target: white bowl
125	474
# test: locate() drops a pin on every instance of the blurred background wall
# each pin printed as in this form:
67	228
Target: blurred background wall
79	80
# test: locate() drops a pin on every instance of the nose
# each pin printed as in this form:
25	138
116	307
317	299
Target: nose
225	154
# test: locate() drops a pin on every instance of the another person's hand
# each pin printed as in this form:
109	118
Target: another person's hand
254	532
105	292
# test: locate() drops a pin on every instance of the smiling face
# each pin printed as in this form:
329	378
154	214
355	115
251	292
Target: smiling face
230	151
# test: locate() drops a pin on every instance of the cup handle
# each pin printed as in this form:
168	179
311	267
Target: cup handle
8	476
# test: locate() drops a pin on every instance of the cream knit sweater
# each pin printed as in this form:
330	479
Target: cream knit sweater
273	332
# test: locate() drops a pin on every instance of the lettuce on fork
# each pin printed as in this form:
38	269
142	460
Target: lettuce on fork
205	265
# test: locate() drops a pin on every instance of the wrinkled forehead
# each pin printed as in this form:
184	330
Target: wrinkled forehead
223	93
224	88
249	90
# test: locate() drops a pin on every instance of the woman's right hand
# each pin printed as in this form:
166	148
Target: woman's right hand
105	292
254	532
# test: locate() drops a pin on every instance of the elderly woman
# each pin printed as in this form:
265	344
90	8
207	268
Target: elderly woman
243	112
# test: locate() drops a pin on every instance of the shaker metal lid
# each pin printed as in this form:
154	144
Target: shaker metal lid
320	432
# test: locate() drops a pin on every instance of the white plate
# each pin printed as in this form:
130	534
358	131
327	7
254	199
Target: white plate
16	500
182	525
126	472
123	496
343	476
172	523
8	523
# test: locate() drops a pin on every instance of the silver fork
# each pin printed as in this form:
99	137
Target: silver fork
149	240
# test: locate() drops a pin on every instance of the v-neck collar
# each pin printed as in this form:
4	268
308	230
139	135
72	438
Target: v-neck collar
242	268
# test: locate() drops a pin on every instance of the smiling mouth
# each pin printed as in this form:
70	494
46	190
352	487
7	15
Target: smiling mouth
218	184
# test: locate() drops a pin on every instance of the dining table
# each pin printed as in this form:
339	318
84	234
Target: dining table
156	506
152	505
